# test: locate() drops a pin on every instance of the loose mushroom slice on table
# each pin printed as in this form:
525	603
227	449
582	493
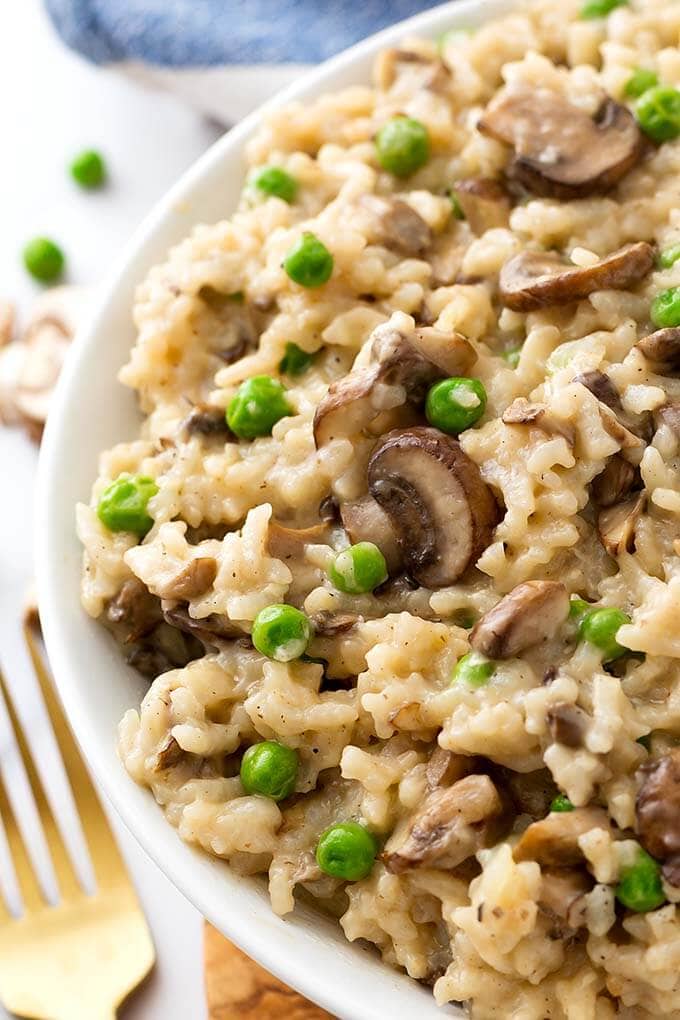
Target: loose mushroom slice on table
542	279
531	613
452	824
364	520
560	150
662	350
616	524
553	841
485	203
402	369
658	811
397	225
442	512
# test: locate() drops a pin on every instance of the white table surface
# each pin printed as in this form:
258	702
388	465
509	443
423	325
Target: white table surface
53	104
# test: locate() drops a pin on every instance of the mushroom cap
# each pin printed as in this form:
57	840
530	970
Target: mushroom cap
540	279
397	225
560	150
485	203
441	510
662	350
531	613
658	805
553	841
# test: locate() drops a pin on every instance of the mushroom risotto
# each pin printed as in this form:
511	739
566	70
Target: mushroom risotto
398	545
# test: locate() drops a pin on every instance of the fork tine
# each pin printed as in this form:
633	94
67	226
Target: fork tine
29	887
106	859
63	868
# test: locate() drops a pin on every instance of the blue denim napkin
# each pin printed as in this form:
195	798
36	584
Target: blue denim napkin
210	33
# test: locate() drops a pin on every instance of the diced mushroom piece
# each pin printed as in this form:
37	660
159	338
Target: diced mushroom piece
289	543
531	792
626	439
204	420
554	840
211	630
668	416
134	611
397	225
662	350
658	808
446	767
442	512
452	823
541	279
30	367
485	203
560	151
191	582
567	724
523	412
562	895
365	520
402	370
328	624
601	386
329	510
612	484
616	524
422	71
531	613
232	329
168	755
628	429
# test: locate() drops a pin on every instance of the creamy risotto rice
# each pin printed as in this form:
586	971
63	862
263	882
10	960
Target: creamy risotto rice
398	545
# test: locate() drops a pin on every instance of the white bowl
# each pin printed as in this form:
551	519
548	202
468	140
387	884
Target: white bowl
92	412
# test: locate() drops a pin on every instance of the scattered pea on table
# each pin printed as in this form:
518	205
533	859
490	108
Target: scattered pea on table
309	262
44	259
281	632
123	504
402	146
455	404
88	169
346	850
256	407
269	769
358	569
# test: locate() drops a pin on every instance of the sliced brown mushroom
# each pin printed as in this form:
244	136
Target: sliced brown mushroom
162	649
397	225
204	420
328	624
562	896
669	417
601	386
191	582
169	754
567	724
446	767
441	510
531	613
612	484
485	203
658	808
560	151
232	327
616	524
134	611
524	412
628	430
211	630
452	824
554	840
662	350
329	510
365	520
531	792
426	74
402	370
542	279
289	543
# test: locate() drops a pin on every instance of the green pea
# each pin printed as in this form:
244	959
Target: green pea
281	632
669	256
639	886
561	803
88	169
473	669
256	407
456	207
453	405
123	504
274	180
512	356
402	146
270	769
640	80
465	618
295	361
309	262
665	309
658	113
600	8
600	627
43	259
346	850
358	569
578	608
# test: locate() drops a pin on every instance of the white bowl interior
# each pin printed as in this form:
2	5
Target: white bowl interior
92	411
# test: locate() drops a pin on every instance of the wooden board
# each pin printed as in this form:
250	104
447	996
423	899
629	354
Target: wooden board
239	989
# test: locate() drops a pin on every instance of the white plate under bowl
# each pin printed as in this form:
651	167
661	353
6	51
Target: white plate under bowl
91	412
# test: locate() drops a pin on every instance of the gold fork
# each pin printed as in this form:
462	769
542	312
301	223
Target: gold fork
78	959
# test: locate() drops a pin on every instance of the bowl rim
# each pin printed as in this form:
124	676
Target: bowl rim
271	952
